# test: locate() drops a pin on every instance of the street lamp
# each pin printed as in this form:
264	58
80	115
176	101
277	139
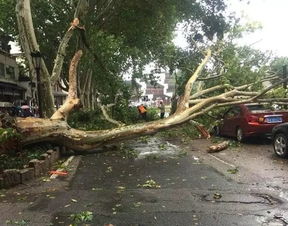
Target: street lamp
36	56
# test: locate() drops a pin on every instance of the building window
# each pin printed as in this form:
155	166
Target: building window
10	72
2	71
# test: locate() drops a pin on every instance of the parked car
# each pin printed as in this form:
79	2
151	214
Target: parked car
247	120
280	140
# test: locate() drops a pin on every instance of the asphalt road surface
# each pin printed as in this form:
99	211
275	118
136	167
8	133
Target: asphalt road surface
164	185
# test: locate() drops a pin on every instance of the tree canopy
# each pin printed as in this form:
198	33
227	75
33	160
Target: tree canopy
121	35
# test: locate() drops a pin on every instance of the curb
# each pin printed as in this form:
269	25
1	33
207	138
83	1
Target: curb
35	168
66	163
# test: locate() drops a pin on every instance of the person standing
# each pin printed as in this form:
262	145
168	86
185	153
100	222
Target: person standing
143	111
162	109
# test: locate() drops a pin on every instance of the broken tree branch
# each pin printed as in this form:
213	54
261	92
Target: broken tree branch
81	9
184	100
218	147
104	109
210	90
72	100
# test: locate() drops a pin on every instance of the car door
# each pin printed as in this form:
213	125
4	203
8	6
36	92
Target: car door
231	121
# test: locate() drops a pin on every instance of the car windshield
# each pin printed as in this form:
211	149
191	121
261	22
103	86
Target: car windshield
257	108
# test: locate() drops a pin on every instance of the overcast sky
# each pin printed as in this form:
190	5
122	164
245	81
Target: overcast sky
272	14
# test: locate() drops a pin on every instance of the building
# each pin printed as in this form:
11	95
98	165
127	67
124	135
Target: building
11	83
59	95
171	84
154	90
17	86
151	92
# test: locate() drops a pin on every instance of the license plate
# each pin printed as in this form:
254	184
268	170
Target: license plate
275	119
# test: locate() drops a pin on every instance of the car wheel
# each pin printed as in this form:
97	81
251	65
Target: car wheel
280	145
239	134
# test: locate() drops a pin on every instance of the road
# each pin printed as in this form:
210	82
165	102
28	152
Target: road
165	184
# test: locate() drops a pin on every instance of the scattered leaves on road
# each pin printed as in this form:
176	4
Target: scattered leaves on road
144	139
162	147
217	196
45	179
2	195
82	217
120	189
137	204
97	189
17	222
149	184
233	171
109	169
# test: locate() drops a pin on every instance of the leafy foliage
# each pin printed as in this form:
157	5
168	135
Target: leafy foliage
127	152
88	120
82	217
92	120
18	160
8	134
121	35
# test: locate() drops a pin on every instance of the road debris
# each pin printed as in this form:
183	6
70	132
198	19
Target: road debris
149	184
233	171
218	147
217	196
60	173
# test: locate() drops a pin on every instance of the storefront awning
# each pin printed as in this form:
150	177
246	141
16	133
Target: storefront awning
10	86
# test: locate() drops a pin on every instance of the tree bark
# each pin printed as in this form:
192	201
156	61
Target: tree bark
29	44
218	147
80	12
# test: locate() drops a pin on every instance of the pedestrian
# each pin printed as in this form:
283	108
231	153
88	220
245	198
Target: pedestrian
142	111
26	111
162	109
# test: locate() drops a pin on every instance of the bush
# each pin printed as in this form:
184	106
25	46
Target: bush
94	120
8	134
127	115
89	120
17	160
152	114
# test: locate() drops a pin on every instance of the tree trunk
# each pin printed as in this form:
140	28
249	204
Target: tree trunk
29	44
37	130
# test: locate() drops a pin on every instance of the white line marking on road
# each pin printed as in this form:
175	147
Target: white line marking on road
220	160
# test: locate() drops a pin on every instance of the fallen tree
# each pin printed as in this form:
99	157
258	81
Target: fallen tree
55	129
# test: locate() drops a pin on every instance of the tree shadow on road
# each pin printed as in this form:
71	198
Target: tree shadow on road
258	141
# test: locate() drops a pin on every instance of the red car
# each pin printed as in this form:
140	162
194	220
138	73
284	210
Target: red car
246	120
